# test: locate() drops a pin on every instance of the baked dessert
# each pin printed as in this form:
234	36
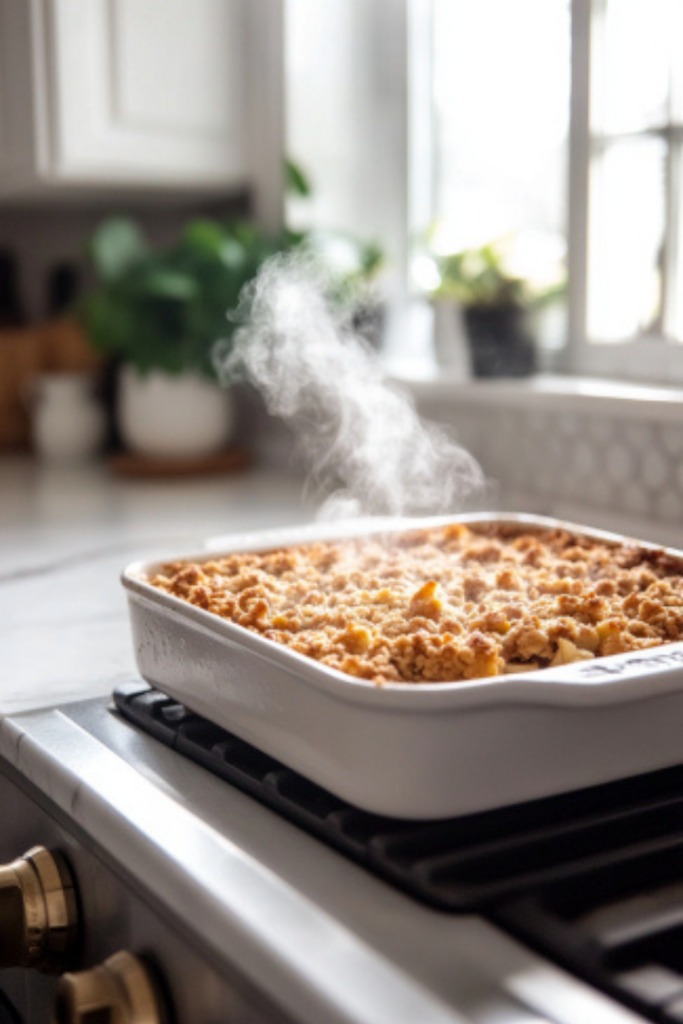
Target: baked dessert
446	603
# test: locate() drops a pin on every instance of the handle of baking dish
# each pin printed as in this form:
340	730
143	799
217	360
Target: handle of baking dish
633	667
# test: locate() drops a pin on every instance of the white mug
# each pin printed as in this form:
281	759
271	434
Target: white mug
68	422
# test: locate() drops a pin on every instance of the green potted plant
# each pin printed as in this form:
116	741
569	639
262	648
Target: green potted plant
158	312
495	302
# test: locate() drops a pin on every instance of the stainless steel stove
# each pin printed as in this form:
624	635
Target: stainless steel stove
229	911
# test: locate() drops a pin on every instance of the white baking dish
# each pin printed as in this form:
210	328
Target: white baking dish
413	751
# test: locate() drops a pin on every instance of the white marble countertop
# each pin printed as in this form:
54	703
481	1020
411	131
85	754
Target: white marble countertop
65	535
67	532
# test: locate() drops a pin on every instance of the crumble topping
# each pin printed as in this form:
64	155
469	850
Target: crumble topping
445	604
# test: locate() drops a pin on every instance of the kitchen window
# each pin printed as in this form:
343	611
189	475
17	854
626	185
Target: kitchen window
562	120
558	123
500	104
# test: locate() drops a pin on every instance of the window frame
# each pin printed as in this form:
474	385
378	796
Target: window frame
648	357
400	64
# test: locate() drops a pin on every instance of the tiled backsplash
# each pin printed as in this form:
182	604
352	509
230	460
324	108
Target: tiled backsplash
627	466
613	465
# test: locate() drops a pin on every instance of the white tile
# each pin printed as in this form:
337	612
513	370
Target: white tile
620	464
584	460
600	491
671	435
670	504
636	435
636	500
654	469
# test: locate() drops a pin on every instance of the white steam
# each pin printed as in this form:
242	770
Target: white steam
364	442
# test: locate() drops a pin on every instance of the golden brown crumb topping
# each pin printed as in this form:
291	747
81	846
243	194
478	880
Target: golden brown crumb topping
447	603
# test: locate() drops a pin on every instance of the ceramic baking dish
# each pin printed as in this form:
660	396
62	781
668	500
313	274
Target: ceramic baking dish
412	751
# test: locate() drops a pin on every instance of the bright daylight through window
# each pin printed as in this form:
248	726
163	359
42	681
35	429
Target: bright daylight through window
635	137
501	126
504	142
533	140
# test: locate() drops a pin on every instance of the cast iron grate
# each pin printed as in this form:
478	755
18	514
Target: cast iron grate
592	879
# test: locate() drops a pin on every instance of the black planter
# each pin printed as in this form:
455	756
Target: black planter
500	342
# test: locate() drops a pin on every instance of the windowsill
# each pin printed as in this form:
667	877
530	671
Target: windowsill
550	391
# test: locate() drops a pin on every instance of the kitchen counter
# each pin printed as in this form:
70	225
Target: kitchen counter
66	534
214	864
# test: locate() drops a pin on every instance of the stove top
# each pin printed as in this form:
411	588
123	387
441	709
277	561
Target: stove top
521	915
592	879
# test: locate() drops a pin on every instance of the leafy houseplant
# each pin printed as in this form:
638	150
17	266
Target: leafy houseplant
164	309
495	304
159	313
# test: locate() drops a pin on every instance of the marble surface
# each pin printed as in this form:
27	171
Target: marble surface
67	532
65	535
283	904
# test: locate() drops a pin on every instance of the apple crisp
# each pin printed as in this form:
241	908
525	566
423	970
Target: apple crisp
447	603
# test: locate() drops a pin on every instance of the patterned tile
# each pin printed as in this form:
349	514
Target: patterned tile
599	492
620	463
671	437
624	466
636	500
670	504
654	469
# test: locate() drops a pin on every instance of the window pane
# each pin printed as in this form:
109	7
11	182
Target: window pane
501	92
626	239
632	66
501	104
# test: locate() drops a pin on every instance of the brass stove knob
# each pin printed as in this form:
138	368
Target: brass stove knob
119	991
38	912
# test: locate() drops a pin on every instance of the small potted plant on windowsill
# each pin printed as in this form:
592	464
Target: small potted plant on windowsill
158	313
495	304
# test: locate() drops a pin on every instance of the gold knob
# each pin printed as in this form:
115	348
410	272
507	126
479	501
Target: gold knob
38	914
119	991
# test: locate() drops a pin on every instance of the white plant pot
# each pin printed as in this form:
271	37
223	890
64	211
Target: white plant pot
166	416
451	347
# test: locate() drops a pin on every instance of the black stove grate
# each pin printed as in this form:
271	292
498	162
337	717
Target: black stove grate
592	879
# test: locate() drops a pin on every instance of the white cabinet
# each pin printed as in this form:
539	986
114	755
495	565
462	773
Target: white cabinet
134	94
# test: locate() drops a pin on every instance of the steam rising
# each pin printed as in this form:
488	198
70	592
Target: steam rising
363	440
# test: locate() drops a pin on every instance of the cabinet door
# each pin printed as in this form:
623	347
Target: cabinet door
19	112
147	91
